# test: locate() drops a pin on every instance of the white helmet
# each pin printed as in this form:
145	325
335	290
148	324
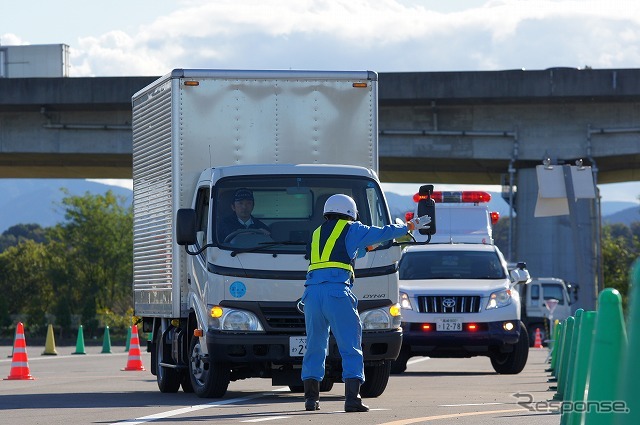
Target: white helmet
341	204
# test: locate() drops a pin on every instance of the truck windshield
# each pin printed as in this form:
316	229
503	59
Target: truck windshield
450	265
256	211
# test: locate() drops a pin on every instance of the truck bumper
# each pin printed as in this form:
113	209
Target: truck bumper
466	343
244	348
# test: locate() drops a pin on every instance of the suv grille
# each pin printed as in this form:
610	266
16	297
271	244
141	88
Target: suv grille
283	318
449	304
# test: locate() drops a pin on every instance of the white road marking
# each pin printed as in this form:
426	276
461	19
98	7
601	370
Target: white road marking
191	409
270	418
418	360
469	404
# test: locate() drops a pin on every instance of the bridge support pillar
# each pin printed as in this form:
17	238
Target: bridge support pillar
550	246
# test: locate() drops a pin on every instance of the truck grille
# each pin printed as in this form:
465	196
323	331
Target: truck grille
449	304
283	318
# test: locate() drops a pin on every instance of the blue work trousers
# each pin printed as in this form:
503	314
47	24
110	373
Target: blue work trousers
332	306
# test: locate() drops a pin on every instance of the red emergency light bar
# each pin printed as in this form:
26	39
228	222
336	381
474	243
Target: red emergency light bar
473	197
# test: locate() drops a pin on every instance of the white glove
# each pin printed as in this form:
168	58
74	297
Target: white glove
419	222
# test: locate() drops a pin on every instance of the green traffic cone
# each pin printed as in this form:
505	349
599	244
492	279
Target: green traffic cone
126	347
50	343
609	344
564	360
629	392
568	377
106	341
80	342
581	367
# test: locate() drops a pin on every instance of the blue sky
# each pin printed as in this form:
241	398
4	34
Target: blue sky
151	37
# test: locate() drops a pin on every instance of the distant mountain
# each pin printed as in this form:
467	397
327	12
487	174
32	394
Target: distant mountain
626	216
610	208
24	201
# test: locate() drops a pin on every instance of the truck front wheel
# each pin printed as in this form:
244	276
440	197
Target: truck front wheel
208	379
512	363
376	379
168	378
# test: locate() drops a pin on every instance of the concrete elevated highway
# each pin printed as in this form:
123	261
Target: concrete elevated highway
435	127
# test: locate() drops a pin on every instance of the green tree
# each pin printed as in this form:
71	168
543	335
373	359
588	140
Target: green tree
94	247
25	285
19	233
620	248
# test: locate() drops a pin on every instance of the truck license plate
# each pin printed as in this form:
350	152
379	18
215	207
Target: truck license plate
449	324
297	346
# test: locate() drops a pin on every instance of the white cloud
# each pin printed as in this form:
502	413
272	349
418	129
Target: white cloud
383	35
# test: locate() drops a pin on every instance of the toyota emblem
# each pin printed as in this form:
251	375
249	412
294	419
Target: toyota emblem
448	303
300	306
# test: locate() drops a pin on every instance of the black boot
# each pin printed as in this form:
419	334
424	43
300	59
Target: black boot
311	394
352	400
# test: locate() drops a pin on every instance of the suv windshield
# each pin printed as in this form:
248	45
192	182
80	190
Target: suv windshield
451	265
280	213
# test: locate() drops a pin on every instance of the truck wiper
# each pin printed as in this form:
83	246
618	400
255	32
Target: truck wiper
264	245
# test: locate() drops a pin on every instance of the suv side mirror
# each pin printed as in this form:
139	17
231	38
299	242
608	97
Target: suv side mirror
520	274
427	206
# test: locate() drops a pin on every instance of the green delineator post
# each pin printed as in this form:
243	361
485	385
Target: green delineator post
564	360
554	350
573	353
126	347
581	366
609	344
106	341
556	361
629	390
80	342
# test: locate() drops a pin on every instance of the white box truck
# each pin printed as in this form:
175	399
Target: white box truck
226	306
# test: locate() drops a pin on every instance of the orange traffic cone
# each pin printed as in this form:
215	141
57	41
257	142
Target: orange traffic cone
134	362
538	341
20	363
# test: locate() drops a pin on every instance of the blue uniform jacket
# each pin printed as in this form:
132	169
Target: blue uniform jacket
358	238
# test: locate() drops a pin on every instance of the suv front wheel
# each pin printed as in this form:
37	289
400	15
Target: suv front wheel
512	363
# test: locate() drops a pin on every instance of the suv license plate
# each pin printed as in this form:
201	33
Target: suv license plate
449	324
297	346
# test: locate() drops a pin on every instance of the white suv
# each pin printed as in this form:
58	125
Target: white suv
458	301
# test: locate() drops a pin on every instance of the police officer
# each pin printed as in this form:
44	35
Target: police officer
329	302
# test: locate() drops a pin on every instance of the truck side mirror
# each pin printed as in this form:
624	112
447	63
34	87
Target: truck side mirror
186	226
427	206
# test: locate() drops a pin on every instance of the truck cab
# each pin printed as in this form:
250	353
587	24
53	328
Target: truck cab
538	311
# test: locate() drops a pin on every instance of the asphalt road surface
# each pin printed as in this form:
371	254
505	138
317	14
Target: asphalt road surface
93	389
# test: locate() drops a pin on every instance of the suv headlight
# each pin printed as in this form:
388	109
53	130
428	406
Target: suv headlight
230	319
405	302
381	318
499	299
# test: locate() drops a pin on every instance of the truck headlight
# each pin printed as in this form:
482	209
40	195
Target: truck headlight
405	302
229	319
499	299
381	318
